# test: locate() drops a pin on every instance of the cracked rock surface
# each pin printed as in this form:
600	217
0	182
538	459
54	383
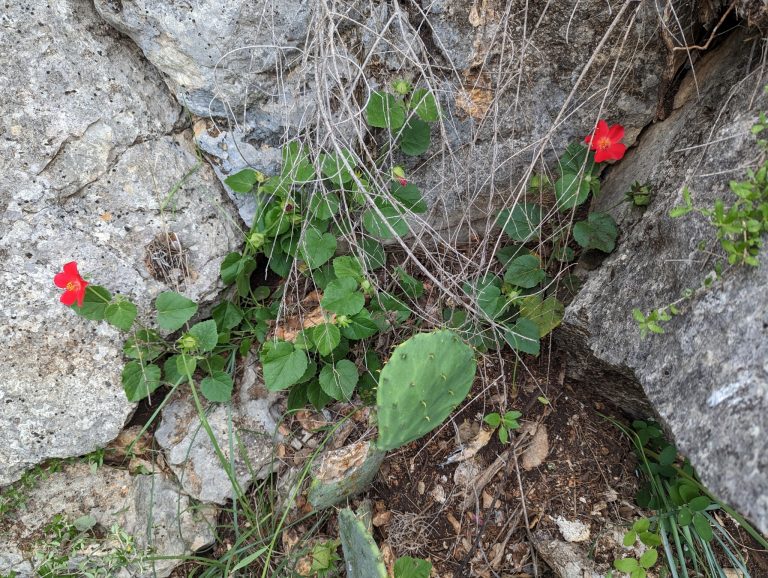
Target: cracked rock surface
245	430
94	165
271	67
706	377
148	507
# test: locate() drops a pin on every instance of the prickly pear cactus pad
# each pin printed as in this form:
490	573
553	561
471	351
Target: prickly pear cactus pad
342	473
361	554
425	379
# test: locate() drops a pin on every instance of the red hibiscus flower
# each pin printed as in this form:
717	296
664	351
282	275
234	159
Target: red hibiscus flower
605	142
74	284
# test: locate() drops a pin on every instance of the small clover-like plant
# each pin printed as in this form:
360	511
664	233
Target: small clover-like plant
637	567
639	194
504	423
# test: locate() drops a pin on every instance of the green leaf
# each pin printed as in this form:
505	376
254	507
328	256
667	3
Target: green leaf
414	138
173	310
81	524
338	168
323	206
317	247
492	419
638	573
700	503
546	314
523	337
236	265
378	223
684	517
410	196
524	272
522	222
317	397
339	380
702	526
242	181
95	303
625	565
688	492
424	104
309	373
650	539
375	256
360	326
575	158
282	365
171	370
279	262
407	567
217	387
140	380
597	232
296	165
145	345
348	266
410	285
667	455
571	190
629	538
507	254
214	363
326	337
384	111
641	525
649	558
341	296
490	300
206	334
227	315
297	397
120	313
185	364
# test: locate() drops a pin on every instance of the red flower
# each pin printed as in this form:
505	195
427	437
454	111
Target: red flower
74	284
605	142
403	181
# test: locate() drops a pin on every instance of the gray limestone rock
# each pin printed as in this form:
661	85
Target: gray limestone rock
217	57
706	377
94	168
245	431
516	80
149	508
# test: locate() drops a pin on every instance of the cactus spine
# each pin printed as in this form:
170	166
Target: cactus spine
425	379
361	554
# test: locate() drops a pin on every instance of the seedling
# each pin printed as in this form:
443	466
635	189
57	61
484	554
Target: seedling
505	423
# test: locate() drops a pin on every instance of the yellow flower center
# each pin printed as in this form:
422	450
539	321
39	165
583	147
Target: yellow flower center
73	286
604	143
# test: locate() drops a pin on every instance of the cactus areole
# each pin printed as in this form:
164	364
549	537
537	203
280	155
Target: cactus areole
425	379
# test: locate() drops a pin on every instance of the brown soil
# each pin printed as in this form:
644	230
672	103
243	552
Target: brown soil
586	475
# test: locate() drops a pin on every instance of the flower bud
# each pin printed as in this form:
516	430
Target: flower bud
187	342
256	240
401	86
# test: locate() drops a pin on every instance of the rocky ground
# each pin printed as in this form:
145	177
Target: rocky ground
122	119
